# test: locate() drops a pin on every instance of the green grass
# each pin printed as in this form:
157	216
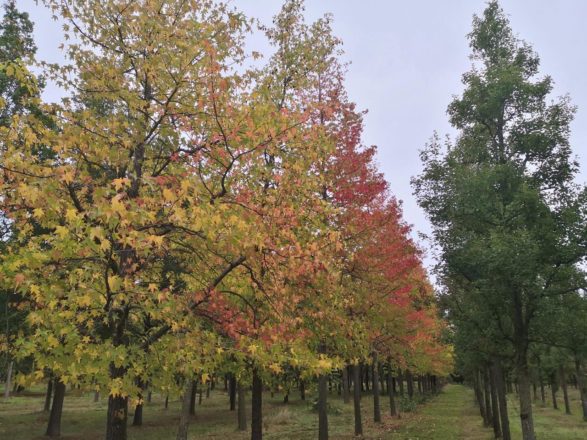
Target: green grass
449	416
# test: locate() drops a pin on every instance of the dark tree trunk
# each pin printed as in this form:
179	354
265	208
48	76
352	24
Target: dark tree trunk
286	397
117	414
487	394
534	391
582	385
149	396
257	407
208	385
400	379
232	391
323	407
357	398
166	401
48	394
502	398
137	419
563	380
96	396
553	390
54	425
345	385
302	389
494	405
410	380
420	388
376	392
184	419
391	391
525	400
193	394
542	393
479	396
242	411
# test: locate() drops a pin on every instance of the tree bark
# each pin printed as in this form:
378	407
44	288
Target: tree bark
54	425
488	413
357	398
232	391
376	391
242	414
563	381
553	390
345	385
400	379
257	407
184	419
48	394
302	389
502	398
525	402
494	405
8	380
391	391
479	396
137	419
410	380
542	393
193	394
323	407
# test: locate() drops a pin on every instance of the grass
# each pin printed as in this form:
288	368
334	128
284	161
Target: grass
449	416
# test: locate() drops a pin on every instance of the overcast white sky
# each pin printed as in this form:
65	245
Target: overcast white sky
407	58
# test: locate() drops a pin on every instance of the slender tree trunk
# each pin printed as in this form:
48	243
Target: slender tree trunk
302	389
357	398
257	407
137	419
410	380
184	419
117	410
542	393
7	385
400	379
376	391
166	401
232	391
563	380
391	391
494	405
488	414
193	394
48	394
553	390
502	398
54	425
582	385
479	396
345	385
208	385
149	396
323	407
242	411
525	401
96	396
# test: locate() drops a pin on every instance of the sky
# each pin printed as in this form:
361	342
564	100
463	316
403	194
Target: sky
406	62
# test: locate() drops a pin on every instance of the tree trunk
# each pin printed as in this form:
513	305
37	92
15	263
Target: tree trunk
582	385
137	419
96	396
410	380
494	405
8	380
117	410
257	407
357	398
302	389
54	425
48	394
553	390
479	396
376	391
501	395
242	414
166	401
345	385
391	391
232	391
184	418
563	380
488	414
542	393
323	407
400	379
193	394
525	401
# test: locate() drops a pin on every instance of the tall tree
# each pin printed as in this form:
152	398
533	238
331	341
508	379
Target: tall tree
499	198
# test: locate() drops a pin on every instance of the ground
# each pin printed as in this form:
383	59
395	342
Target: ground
449	416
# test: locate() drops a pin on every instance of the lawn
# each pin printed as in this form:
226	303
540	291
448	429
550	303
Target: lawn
450	415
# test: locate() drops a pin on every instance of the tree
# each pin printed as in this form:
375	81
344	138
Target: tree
499	197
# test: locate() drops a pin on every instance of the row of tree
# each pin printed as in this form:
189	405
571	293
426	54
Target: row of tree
511	227
188	211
